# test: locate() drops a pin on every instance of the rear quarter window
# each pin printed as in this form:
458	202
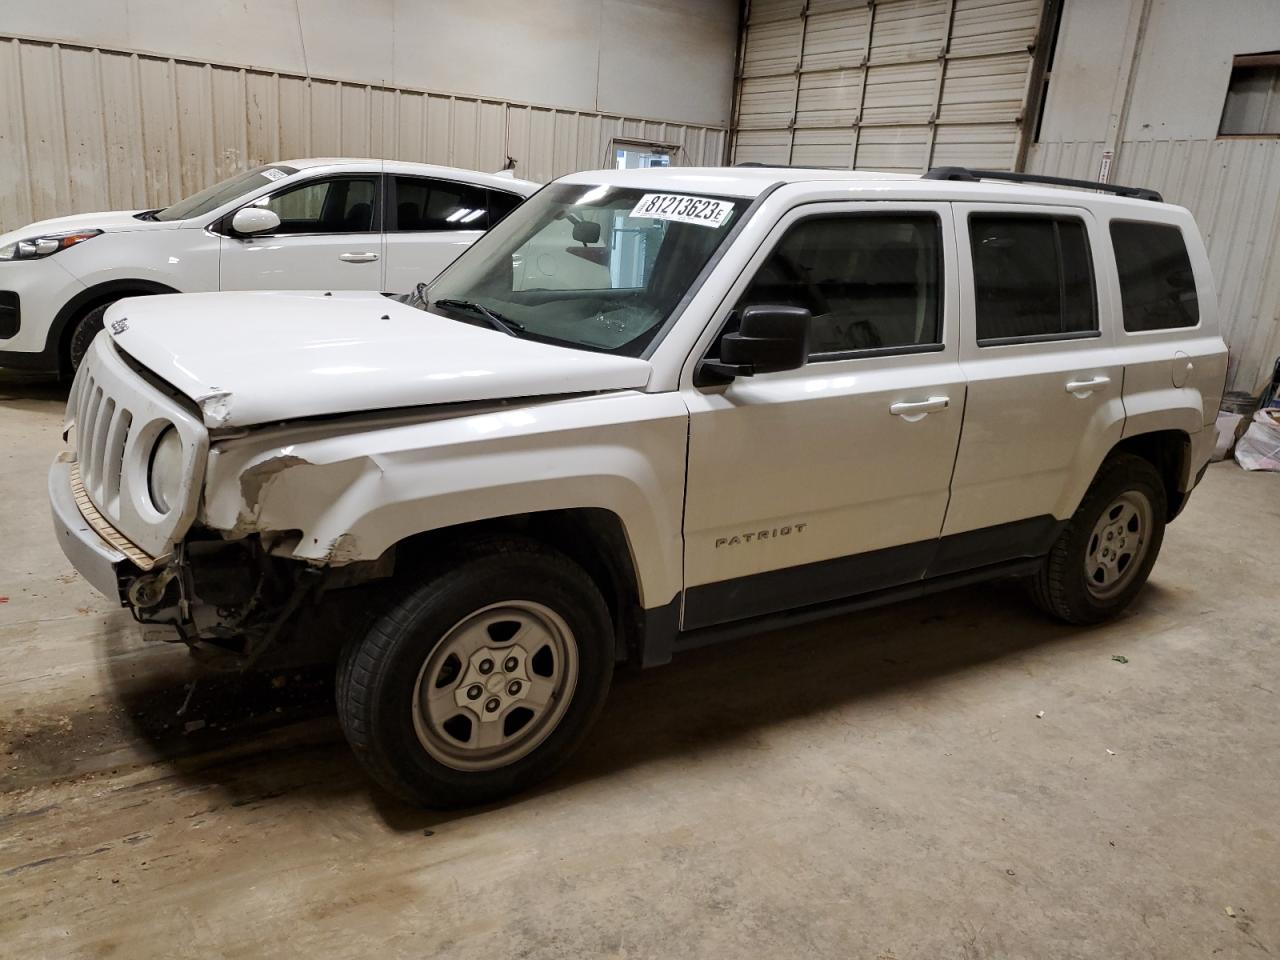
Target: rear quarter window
1157	286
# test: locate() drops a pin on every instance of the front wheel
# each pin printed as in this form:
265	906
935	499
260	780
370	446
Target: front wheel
1103	557
481	679
86	328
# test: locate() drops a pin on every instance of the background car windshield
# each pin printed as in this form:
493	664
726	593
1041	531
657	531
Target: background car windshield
583	266
211	198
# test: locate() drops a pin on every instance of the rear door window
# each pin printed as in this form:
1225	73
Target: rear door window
1157	286
501	203
430	205
1032	278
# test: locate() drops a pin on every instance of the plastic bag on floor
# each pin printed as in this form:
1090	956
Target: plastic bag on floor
1259	448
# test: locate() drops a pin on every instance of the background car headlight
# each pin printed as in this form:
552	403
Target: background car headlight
165	477
37	248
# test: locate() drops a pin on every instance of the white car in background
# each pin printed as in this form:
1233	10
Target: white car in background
331	224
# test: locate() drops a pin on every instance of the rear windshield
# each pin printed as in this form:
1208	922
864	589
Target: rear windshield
211	198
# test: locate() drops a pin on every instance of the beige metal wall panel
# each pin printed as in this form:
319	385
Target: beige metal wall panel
901	93
894	149
908	31
768	11
772	48
590	55
823	148
834	6
762	146
982	27
85	129
950	79
1231	187
985	89
984	146
836	39
766	102
829	98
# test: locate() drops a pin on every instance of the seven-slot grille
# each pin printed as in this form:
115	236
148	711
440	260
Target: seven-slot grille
102	429
118	418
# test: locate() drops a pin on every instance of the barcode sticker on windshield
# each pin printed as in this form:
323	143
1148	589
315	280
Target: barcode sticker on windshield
271	173
670	206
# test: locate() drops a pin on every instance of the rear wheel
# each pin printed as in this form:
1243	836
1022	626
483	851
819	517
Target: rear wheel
481	679
1103	557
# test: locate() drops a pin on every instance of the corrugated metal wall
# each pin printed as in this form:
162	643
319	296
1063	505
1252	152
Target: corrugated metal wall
92	129
1232	187
885	84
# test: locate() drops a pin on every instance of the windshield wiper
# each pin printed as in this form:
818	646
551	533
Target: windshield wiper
495	320
148	214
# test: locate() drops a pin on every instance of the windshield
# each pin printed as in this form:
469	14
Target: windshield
595	267
211	198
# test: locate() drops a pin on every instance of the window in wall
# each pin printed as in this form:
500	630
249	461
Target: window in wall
1252	108
336	205
1032	277
870	282
423	204
1157	287
639	156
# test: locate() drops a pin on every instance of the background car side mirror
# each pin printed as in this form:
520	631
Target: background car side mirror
769	339
251	220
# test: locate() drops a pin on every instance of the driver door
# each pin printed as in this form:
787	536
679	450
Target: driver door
811	485
330	238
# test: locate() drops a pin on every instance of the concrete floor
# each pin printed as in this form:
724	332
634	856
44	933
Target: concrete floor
877	786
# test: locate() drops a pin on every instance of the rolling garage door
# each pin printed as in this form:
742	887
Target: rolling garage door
885	84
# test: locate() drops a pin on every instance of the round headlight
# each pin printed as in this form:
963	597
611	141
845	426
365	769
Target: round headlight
165	478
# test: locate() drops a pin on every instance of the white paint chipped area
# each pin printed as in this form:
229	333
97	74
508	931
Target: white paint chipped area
876	786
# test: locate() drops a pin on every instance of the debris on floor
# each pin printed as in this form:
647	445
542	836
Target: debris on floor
1259	448
1230	426
1120	658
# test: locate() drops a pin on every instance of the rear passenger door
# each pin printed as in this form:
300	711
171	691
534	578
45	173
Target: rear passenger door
430	222
1044	381
828	481
329	238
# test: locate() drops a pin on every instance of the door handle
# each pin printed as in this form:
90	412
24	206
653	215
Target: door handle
913	410
1082	388
358	257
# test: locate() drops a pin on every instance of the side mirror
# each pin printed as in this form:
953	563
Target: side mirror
250	220
586	231
769	339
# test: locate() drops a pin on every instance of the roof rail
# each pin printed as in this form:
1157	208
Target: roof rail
974	176
782	166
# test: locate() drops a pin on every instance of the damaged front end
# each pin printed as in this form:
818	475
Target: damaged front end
235	605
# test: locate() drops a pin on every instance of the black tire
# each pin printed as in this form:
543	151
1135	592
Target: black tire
88	326
1061	587
378	673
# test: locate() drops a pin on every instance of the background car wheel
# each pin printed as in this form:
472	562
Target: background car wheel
480	679
86	328
1103	557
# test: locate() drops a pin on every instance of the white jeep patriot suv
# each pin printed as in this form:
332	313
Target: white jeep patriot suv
651	408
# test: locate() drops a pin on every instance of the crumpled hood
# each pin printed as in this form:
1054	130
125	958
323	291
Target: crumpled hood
249	358
111	221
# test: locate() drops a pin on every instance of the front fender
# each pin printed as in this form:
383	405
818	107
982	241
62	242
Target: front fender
358	486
